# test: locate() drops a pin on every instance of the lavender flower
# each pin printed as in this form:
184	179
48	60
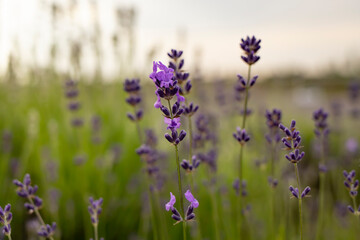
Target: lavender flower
193	202
180	75
166	85
71	93
95	210
47	231
132	87
352	186
241	136
5	219
292	143
190	215
187	166
321	126
25	190
250	47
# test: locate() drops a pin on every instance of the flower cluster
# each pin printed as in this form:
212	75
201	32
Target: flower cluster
166	84
96	127
241	136
190	215
292	142
167	88
187	166
95	209
150	156
72	93
132	87
25	190
205	132
354	94
236	186
250	47
181	76
209	158
321	125
273	120
47	231
5	219
352	186
295	192
242	84
190	110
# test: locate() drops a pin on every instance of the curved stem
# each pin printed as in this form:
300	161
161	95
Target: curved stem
38	215
300	200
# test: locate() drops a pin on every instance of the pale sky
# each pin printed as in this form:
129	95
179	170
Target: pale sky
302	34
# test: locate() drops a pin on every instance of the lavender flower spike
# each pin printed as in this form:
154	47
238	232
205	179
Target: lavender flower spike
170	204
5	219
95	210
191	199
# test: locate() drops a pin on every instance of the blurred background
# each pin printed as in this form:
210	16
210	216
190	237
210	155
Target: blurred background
309	37
82	146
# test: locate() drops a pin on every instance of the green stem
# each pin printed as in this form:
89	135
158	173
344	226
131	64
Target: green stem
9	236
190	154
215	209
96	232
246	97
153	218
38	215
241	148
180	190
322	190
300	200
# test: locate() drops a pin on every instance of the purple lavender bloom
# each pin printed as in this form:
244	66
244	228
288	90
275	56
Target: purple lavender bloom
194	203
95	210
187	166
190	110
292	142
295	192
321	126
170	204
175	138
5	219
250	47
350	183
180	75
166	85
241	136
132	86
172	123
47	231
273	118
242	84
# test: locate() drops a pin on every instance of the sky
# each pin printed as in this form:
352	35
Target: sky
306	35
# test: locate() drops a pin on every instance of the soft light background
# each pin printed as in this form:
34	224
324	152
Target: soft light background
299	35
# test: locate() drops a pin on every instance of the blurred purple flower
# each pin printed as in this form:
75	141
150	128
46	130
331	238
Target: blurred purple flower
170	204
191	199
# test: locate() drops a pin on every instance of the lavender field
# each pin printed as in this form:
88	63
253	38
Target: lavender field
174	147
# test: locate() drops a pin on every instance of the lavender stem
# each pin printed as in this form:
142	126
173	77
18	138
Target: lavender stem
300	199
180	189
96	231
38	215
